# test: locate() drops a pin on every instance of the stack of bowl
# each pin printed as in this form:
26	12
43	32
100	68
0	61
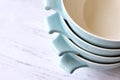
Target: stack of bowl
88	33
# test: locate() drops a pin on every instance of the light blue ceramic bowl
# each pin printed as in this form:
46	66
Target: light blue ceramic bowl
64	45
59	7
56	23
70	62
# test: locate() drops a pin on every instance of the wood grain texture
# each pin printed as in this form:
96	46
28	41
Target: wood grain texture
26	52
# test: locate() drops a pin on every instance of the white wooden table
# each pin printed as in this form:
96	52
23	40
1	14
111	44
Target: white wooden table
26	52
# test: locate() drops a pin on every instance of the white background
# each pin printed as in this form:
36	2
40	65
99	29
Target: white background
26	52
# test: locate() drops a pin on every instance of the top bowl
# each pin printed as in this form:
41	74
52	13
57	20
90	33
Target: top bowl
96	23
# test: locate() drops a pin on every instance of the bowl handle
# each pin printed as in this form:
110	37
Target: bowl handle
68	61
54	24
53	4
62	47
70	64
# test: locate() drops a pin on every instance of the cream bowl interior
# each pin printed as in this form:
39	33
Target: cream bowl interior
99	17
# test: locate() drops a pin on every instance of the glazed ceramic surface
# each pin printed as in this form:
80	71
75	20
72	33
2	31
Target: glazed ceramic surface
58	5
57	24
64	45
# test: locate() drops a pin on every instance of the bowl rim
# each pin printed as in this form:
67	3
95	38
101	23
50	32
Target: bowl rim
67	40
